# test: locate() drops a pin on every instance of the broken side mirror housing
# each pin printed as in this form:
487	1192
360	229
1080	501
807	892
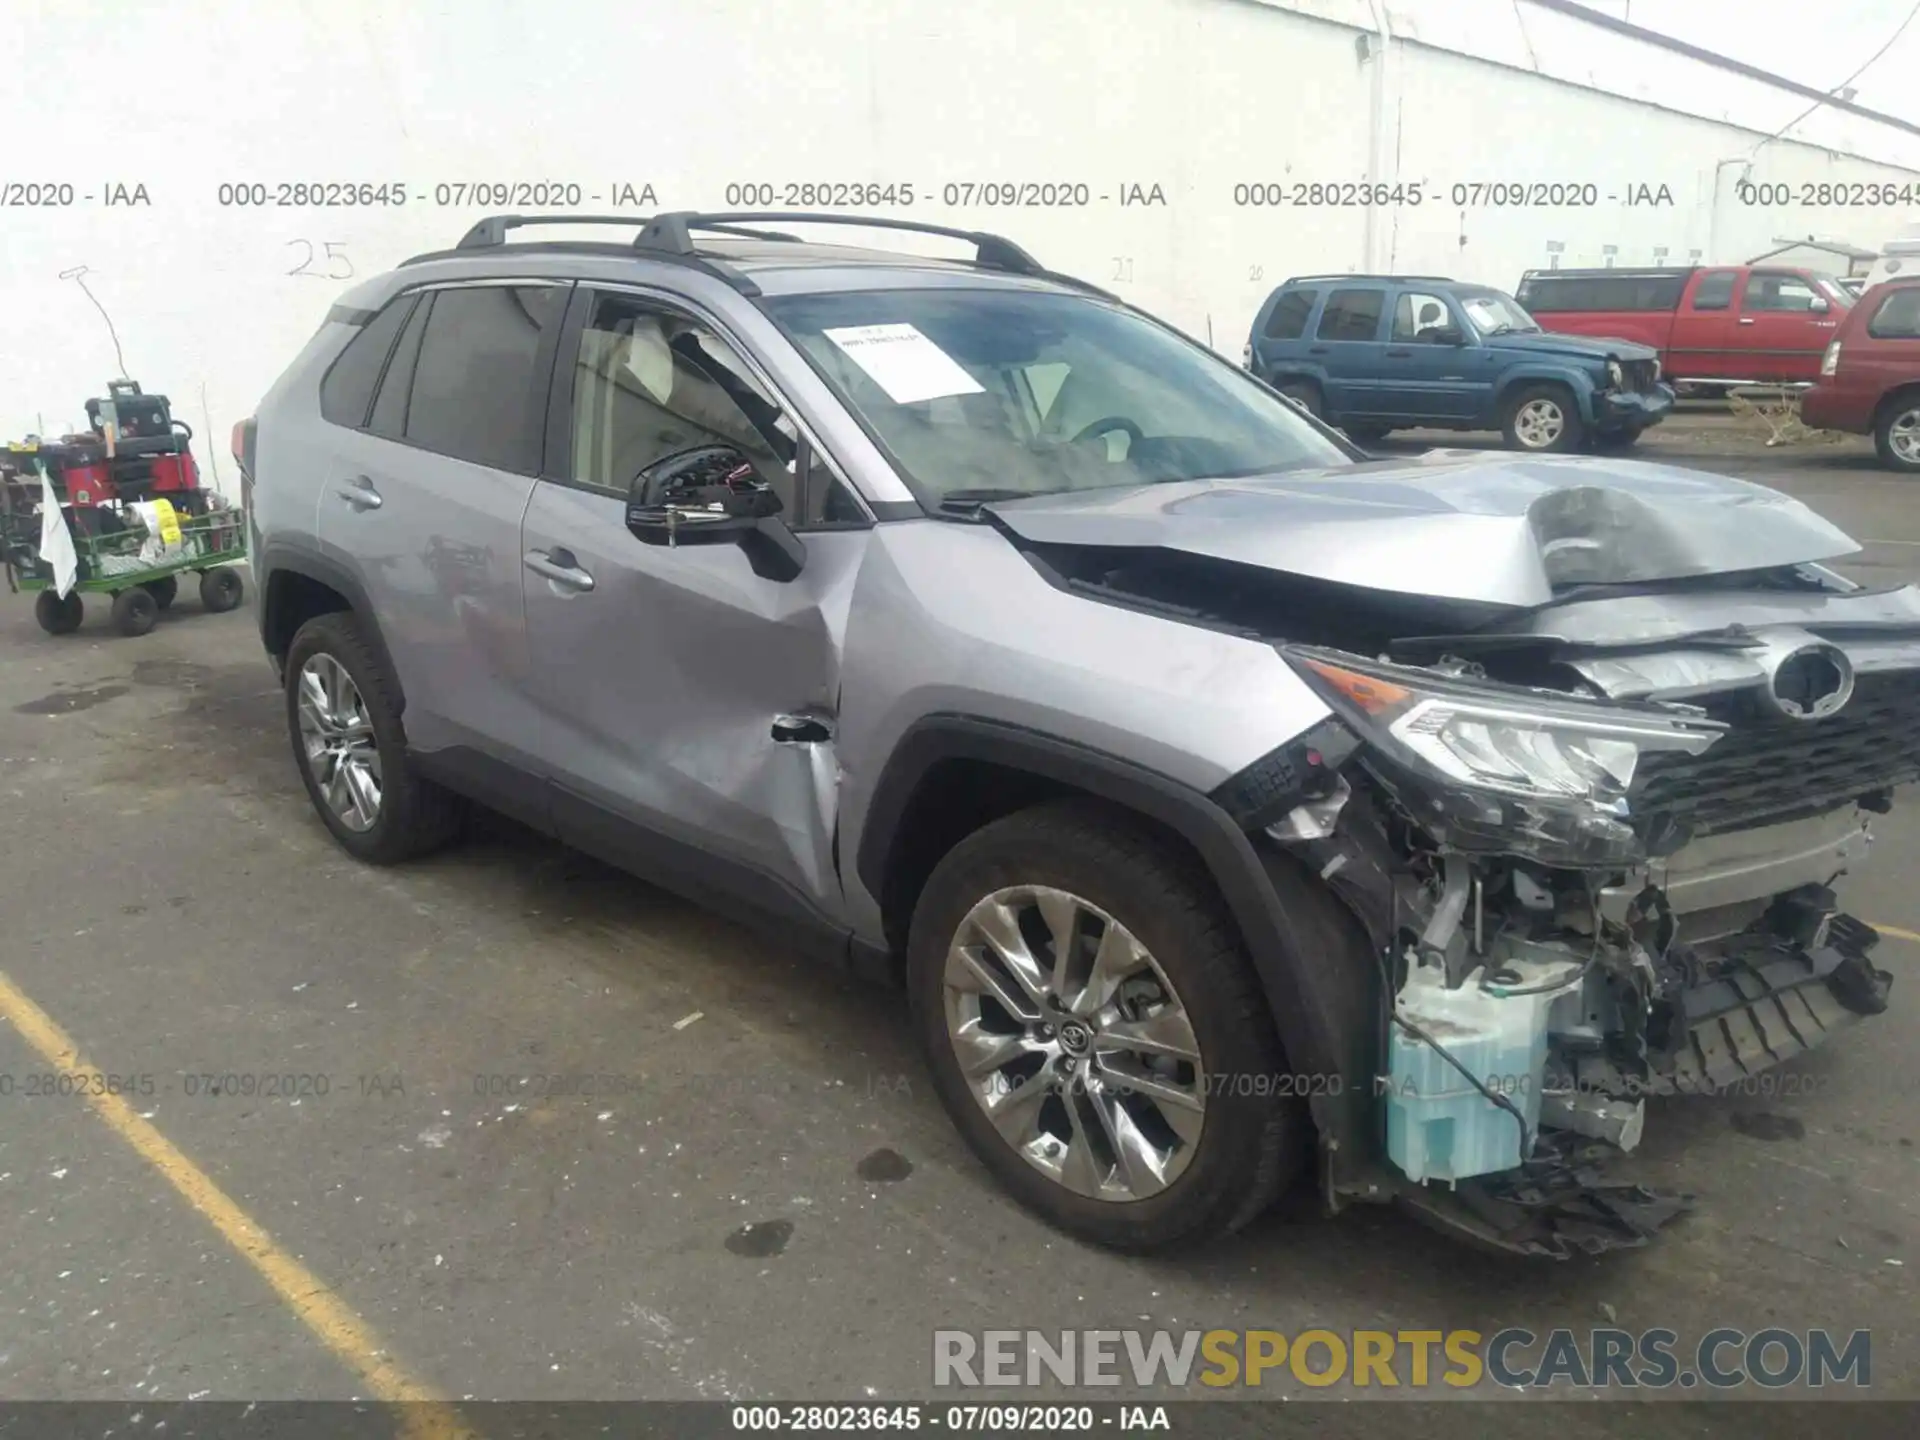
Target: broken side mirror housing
712	495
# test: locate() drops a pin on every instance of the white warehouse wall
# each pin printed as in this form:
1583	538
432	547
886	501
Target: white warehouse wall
1193	97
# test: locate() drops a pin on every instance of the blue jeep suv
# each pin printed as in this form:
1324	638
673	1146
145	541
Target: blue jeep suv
1371	353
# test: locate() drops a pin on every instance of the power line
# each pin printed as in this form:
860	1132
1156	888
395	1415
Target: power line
1868	65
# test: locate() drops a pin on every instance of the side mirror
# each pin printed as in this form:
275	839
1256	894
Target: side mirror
1818	305
1446	335
712	495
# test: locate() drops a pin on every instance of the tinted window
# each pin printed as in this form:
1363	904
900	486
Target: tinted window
1767	291
1288	319
348	388
1898	317
1569	294
1351	315
1714	292
649	383
472	395
1416	315
390	409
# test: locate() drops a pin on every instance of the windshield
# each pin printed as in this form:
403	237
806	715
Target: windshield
1014	393
1495	314
1835	290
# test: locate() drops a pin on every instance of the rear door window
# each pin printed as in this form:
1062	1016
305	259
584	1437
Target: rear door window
473	394
1288	318
1352	315
1715	290
1898	317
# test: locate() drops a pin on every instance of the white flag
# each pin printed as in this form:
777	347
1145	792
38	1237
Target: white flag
56	544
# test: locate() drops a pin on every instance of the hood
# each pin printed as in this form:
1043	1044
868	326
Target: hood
1551	342
1454	525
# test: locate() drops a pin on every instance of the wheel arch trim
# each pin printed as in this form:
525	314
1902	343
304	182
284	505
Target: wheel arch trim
1227	852
276	560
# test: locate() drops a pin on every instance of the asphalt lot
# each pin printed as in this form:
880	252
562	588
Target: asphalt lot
761	1199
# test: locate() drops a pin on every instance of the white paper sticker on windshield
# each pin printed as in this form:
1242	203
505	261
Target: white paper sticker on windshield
903	362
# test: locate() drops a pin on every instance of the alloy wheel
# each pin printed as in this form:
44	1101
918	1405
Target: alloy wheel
1539	423
336	737
1074	1043
1903	437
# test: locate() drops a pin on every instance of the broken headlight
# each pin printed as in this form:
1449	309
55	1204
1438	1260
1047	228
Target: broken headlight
1501	769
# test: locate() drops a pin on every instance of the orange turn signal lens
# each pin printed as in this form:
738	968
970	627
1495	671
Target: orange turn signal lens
1369	692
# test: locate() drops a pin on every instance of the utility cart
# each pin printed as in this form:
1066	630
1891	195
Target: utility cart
131	504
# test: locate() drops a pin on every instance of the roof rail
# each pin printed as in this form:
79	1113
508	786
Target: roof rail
669	236
671	233
492	231
1350	275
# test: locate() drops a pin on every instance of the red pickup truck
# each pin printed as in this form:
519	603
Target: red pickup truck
1714	325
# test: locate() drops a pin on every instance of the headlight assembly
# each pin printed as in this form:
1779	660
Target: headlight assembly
1616	377
1502	769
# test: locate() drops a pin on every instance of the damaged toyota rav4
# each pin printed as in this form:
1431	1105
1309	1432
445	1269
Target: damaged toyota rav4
1240	812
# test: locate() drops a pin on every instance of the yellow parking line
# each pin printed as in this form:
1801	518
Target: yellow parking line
1897	932
428	1417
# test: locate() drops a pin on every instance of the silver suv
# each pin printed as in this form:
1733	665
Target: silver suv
1233	806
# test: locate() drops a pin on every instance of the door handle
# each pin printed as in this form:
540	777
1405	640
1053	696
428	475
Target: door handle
558	566
801	730
1399	354
1316	350
1746	319
360	494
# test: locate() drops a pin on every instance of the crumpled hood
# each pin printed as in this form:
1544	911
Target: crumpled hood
1597	347
1494	529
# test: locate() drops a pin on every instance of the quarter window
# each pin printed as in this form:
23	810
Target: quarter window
1288	318
347	390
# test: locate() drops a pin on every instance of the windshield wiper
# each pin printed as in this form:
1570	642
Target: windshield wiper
968	502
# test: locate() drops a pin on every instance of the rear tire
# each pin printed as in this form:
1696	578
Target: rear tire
1121	881
58	616
1897	434
1307	394
352	723
1542	420
135	611
221	590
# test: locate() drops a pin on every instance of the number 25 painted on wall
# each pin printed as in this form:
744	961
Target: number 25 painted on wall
329	253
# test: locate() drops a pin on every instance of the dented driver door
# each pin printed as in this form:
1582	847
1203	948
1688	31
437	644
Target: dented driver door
689	700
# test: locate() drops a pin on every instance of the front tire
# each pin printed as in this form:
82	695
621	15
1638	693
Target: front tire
1130	1095
1542	420
352	752
1897	436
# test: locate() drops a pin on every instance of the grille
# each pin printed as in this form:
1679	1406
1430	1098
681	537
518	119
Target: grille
1641	375
1769	769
